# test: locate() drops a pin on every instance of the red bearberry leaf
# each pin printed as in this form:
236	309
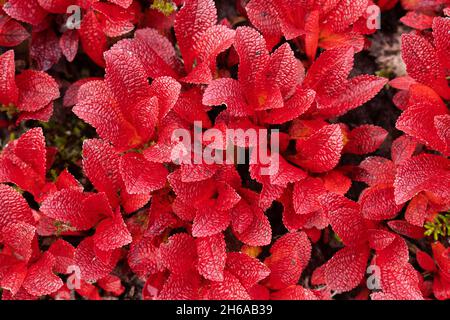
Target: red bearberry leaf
12	33
40	279
253	57
356	92
417	210
290	255
345	218
425	172
141	176
210	44
297	105
294	293
112	233
93	263
45	50
345	270
442	39
69	44
36	90
255	226
179	253
96	106
226	91
194	18
212	256
425	261
380	239
12	274
209	221
419	119
101	166
305	197
376	170
228	289
263	16
248	270
378	203
111	284
322	151
329	72
92	38
63	253
406	229
9	92
344	14
403	148
79	210
401	283
143	257
55	6
422	63
26	11
180	287
365	139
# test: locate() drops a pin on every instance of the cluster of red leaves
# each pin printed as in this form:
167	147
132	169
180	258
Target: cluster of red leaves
200	231
420	13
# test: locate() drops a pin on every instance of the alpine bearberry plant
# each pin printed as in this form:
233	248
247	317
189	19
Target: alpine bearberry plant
200	149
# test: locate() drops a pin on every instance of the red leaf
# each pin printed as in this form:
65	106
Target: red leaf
141	176
425	172
208	46
56	6
210	221
96	106
294	293
305	197
28	11
112	233
93	263
345	270
257	231
111	284
194	18
211	253
365	139
290	255
345	218
354	93
442	39
12	33
123	3
63	253
226	91
69	44
402	149
263	16
228	289
419	119
36	90
248	270
179	253
9	92
422	63
93	40
81	211
101	166
322	151
40	279
378	203
45	49
328	73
